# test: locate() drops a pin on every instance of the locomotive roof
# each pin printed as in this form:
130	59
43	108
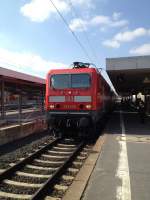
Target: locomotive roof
79	70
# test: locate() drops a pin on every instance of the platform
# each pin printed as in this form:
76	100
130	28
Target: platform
122	171
11	133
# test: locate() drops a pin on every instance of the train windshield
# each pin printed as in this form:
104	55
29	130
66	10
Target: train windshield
80	80
63	81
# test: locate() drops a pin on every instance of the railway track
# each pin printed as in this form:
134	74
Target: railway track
34	177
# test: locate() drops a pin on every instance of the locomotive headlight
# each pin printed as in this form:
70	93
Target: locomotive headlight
51	106
88	106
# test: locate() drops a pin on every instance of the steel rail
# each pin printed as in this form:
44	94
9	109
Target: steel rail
49	184
10	171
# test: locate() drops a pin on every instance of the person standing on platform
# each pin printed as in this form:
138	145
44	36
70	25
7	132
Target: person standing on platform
142	111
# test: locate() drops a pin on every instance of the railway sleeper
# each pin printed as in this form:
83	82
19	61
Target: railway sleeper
66	145
60	152
83	153
67	178
51	198
12	164
64	149
41	168
2	170
52	163
60	187
73	170
33	175
14	196
81	157
77	164
22	184
52	157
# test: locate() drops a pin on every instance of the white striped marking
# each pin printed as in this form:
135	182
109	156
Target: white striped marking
123	191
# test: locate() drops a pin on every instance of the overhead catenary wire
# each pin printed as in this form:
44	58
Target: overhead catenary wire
84	31
73	33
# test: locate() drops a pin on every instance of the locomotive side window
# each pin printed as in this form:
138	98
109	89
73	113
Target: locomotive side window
80	80
60	81
63	81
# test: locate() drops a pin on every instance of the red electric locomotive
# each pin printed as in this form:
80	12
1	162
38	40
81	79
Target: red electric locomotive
77	97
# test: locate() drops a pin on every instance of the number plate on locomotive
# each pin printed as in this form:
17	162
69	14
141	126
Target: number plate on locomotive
69	106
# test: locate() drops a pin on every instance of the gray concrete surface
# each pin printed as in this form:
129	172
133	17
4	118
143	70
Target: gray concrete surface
105	183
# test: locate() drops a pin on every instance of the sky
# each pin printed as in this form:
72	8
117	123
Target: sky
35	39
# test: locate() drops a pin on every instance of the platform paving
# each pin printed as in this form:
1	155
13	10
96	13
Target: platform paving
122	171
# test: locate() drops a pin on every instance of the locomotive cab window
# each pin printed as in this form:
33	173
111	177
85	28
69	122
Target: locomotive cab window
63	81
60	81
80	81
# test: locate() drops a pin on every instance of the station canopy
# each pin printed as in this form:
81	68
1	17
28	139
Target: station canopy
18	76
129	75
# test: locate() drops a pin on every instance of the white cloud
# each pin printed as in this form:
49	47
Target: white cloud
85	3
127	36
41	10
111	43
119	23
116	15
130	35
102	21
141	50
27	62
78	24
